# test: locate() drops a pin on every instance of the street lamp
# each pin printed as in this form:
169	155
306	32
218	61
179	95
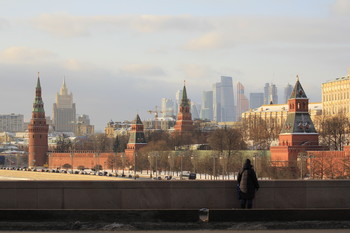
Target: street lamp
301	157
71	158
122	156
135	155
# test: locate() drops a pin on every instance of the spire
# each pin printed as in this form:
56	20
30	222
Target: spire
184	100
64	90
137	120
38	82
38	105
184	93
298	91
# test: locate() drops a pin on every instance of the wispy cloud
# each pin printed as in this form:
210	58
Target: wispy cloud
20	54
210	41
142	70
66	25
341	7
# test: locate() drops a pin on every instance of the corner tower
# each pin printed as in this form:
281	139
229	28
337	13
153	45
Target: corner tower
38	131
298	133
184	121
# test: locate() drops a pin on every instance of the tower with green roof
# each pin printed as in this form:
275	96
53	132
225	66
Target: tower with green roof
184	121
38	131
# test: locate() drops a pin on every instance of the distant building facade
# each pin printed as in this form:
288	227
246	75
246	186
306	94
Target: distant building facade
256	100
82	127
336	96
11	123
64	112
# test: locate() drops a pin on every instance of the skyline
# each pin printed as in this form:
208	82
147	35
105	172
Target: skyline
121	58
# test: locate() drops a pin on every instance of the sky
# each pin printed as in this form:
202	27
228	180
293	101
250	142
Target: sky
119	58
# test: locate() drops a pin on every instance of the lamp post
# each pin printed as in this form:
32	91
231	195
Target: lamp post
135	155
150	166
301	157
181	156
122	155
214	166
71	159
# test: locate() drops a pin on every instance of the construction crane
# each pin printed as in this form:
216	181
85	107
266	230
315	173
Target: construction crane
155	112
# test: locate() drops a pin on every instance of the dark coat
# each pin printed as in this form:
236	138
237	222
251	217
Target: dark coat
248	182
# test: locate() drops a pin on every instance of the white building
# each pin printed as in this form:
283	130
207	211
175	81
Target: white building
11	123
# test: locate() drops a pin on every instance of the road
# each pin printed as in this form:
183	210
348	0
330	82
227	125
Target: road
30	175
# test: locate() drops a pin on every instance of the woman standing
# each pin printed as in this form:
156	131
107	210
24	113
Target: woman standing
248	183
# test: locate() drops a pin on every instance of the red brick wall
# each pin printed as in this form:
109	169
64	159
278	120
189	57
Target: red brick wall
88	159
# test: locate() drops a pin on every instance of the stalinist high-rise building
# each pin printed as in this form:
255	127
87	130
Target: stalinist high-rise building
64	113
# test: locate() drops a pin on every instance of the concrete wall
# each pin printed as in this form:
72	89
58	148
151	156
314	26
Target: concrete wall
169	194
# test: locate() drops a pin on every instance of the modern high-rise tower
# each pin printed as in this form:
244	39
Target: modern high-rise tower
287	92
242	101
223	100
38	132
207	106
256	100
270	94
64	113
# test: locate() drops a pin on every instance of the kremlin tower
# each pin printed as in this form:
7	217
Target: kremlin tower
184	121
298	133
137	138
38	132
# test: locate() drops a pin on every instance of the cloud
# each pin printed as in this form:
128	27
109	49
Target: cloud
3	23
141	70
19	54
209	41
341	7
66	25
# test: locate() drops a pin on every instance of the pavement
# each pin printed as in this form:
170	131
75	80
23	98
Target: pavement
31	175
179	220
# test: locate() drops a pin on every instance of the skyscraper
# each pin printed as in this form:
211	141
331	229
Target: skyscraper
38	132
270	94
178	97
256	100
167	108
223	100
217	102
207	106
242	101
287	92
64	113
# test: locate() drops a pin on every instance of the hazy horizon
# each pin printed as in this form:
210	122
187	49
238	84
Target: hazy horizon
119	58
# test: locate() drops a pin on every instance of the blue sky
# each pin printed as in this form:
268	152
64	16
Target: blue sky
121	57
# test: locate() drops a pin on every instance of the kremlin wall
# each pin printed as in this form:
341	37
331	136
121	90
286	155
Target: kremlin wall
298	140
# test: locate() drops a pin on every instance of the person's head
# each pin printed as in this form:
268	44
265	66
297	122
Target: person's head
247	164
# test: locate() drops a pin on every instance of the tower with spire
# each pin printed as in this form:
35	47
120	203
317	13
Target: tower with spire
298	133
184	121
137	138
38	131
63	111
